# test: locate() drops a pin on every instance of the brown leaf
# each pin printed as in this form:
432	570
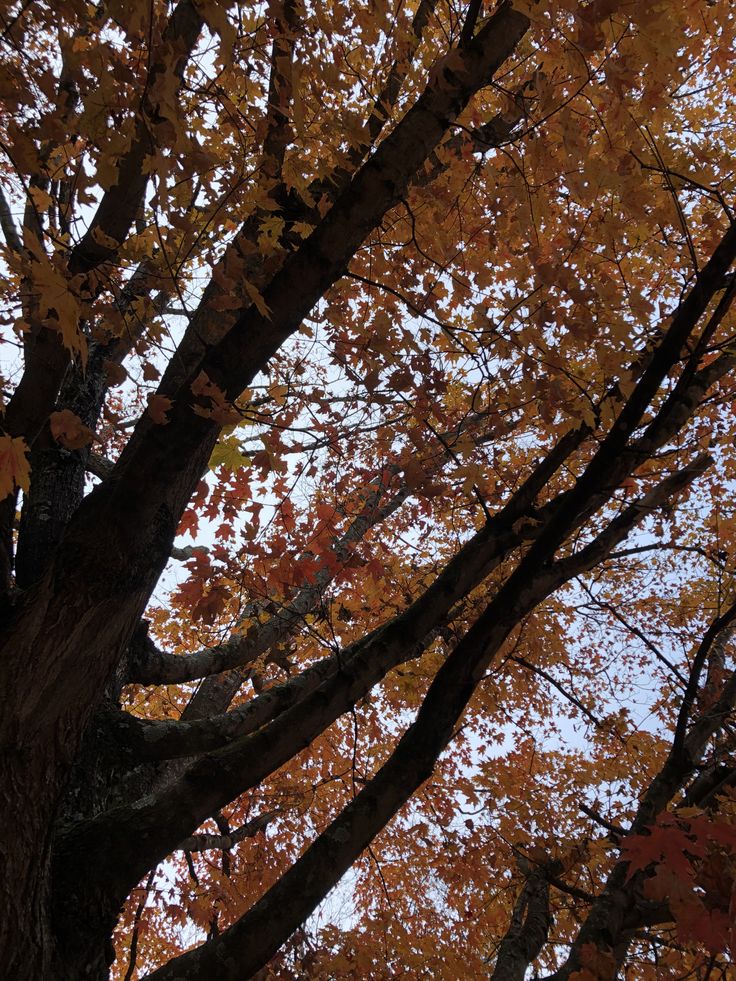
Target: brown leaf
158	407
69	430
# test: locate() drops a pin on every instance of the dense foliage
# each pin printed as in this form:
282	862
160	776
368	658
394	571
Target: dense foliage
367	476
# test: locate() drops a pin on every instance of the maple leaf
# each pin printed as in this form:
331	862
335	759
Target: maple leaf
15	470
115	373
57	302
211	604
596	965
665	842
286	513
69	430
158	408
712	928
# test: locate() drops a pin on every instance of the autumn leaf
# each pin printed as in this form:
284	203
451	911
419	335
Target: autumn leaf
712	928
115	373
597	965
219	409
57	301
666	842
15	469
69	431
286	513
158	408
257	300
228	454
211	604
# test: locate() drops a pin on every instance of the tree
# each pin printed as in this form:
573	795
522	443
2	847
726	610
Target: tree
406	328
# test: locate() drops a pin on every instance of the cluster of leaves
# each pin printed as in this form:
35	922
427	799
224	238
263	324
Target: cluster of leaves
692	857
323	386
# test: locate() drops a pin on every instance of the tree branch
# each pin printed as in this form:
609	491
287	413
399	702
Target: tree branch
475	7
224	842
386	101
219	777
121	535
528	930
278	129
664	425
241	649
392	643
48	359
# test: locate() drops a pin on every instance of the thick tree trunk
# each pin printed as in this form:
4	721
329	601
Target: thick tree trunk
41	731
46	931
26	802
54	927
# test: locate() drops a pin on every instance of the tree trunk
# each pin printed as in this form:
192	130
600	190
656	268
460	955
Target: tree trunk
27	803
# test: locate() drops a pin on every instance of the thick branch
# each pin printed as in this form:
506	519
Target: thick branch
528	930
81	615
401	639
117	210
387	98
240	650
664	357
205	327
162	739
471	18
219	777
10	232
243	648
278	129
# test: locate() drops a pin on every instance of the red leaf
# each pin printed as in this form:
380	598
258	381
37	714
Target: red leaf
665	842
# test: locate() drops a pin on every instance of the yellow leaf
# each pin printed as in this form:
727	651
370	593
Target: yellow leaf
103	239
40	198
14	467
278	393
257	300
57	304
227	454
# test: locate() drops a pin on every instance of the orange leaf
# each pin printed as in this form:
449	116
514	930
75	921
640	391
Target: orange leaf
14	468
69	430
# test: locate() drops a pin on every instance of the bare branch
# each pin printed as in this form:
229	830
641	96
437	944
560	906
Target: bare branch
201	842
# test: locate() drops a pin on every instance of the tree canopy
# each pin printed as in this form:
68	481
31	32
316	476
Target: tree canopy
367	522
